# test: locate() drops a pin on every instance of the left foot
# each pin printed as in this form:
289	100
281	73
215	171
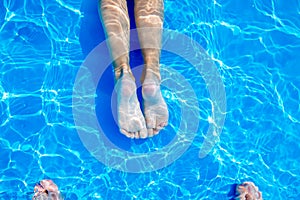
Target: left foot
130	118
155	107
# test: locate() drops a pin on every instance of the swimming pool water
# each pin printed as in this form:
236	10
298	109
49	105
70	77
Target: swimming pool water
255	45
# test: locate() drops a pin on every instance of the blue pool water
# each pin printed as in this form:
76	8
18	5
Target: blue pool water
255	45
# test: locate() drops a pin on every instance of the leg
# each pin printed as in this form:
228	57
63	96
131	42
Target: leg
149	21
115	20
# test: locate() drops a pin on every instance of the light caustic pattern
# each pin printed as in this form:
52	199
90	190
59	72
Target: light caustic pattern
91	132
255	45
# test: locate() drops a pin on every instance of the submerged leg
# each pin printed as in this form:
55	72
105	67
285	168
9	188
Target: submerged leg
114	15
149	21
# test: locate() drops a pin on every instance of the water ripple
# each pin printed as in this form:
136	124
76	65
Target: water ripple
255	46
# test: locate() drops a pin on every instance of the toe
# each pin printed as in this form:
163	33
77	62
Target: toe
156	131
160	127
150	132
163	124
143	133
161	121
160	124
132	135
150	123
137	134
126	133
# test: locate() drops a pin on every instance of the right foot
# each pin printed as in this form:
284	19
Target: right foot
155	107
130	117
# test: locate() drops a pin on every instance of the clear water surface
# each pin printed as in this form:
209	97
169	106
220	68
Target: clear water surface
255	45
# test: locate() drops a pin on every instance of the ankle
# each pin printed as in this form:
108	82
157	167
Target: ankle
121	70
150	77
125	86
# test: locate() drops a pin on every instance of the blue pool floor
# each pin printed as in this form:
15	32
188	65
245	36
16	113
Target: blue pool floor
254	44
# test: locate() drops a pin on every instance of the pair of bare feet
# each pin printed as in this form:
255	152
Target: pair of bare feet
132	122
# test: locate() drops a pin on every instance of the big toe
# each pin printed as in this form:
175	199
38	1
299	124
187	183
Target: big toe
150	132
150	124
143	133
